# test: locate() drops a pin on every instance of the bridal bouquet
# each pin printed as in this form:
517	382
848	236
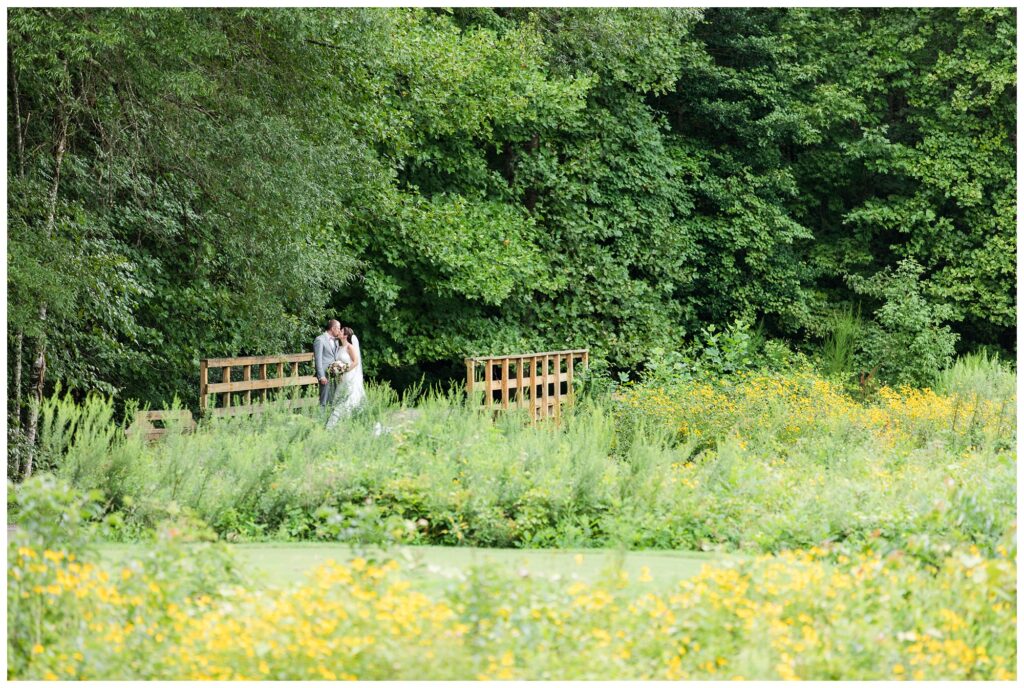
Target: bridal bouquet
337	369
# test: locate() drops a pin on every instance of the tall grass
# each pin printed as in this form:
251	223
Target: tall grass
766	463
837	354
978	375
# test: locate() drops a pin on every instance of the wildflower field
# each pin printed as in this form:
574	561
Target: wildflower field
877	532
809	614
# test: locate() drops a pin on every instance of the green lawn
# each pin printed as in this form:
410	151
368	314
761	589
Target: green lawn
282	563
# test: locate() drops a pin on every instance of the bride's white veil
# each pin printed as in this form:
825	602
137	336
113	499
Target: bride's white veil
359	353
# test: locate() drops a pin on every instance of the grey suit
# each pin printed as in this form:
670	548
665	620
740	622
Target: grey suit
325	350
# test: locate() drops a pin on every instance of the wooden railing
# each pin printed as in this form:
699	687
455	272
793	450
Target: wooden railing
236	396
538	382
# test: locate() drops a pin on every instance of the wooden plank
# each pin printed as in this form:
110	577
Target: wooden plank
227	387
536	353
260	408
253	360
504	383
470	375
496	384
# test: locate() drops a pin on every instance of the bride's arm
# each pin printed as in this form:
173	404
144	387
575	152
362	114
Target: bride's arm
354	355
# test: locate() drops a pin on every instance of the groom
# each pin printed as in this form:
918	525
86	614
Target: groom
325	349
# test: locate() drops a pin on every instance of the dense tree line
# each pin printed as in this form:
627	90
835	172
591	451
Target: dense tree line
202	182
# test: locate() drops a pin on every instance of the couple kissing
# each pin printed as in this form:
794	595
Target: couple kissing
339	370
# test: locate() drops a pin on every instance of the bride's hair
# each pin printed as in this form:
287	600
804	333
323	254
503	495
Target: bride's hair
347	331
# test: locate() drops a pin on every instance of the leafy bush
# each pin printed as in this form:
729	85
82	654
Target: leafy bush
715	353
907	342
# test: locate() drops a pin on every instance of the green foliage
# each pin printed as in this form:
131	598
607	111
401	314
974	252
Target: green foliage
715	354
53	550
488	181
907	342
196	214
914	160
50	513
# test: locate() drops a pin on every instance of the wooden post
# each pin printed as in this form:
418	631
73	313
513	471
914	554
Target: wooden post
558	386
568	376
246	377
470	377
295	374
504	382
263	376
204	384
533	390
227	378
546	392
488	378
520	384
280	374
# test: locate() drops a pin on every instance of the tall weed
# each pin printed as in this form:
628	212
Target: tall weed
840	346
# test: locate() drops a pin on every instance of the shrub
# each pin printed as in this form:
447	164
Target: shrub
906	342
715	353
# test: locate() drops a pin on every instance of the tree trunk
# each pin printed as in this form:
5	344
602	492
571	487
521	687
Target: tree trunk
15	416
39	360
17	112
38	381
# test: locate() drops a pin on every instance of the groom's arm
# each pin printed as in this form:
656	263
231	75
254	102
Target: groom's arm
318	359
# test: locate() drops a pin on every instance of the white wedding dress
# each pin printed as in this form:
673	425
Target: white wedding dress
350	393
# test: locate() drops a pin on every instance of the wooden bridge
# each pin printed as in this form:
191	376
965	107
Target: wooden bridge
242	385
539	382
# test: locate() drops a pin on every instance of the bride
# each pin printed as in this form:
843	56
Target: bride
350	393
